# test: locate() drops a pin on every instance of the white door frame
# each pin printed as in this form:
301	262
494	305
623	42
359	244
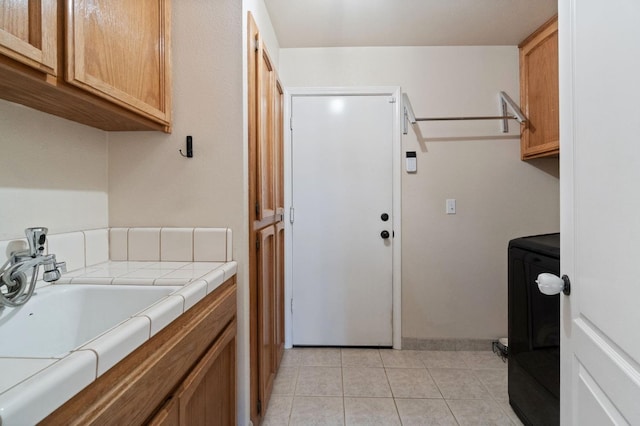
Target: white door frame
393	91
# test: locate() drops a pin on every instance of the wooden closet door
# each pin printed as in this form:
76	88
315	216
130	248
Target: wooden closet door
266	311
28	33
265	202
278	118
279	293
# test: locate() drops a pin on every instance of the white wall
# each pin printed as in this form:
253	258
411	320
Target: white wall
53	173
454	266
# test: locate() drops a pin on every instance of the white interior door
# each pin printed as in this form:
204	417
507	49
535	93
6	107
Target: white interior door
342	185
600	210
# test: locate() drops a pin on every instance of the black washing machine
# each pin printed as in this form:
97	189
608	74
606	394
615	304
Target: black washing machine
534	331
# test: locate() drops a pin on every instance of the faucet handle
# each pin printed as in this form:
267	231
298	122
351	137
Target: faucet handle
36	237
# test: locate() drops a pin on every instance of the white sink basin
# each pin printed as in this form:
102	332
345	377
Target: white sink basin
60	318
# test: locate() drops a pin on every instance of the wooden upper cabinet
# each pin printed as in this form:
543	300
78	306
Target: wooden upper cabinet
103	63
539	96
28	33
119	50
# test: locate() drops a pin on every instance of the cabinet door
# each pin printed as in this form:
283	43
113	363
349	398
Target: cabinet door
265	158
266	311
279	293
539	92
28	32
207	396
279	146
120	50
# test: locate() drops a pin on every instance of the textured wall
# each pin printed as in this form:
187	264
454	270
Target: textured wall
454	267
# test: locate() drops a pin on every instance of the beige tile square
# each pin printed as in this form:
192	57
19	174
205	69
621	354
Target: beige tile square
285	381
320	357
317	411
176	244
422	412
278	411
210	244
319	381
496	382
96	246
365	382
392	358
506	408
118	244
144	244
290	358
482	359
478	412
412	383
370	412
443	359
458	384
361	358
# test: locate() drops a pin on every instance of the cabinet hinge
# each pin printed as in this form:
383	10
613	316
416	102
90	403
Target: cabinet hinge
259	407
257	243
292	305
292	212
392	100
291	123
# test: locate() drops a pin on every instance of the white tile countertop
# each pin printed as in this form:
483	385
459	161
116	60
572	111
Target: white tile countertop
31	388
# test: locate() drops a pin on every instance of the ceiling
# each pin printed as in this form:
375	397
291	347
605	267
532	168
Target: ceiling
336	23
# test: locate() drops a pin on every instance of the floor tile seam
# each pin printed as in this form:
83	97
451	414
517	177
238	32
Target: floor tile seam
451	411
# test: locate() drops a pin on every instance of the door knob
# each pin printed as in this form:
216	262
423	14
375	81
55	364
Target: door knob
551	284
384	234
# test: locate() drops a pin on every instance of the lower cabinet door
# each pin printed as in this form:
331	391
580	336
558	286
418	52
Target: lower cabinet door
208	394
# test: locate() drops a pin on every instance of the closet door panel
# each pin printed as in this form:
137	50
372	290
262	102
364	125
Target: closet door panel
266	311
265	203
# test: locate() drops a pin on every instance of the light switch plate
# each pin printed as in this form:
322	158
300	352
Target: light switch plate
451	206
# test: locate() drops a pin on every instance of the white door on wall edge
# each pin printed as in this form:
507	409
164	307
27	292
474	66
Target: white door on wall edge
600	211
342	190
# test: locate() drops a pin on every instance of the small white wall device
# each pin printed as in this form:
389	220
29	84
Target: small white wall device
412	162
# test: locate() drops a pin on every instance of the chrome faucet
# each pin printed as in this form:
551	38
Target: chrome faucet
15	287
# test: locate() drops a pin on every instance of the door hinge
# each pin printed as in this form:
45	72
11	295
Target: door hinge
256	44
259	407
292	305
257	243
291	123
257	209
291	214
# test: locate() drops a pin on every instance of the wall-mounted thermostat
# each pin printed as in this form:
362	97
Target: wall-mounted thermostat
412	162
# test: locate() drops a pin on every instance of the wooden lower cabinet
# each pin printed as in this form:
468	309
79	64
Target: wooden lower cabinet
207	396
184	375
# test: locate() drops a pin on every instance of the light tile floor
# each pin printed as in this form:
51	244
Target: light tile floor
388	387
